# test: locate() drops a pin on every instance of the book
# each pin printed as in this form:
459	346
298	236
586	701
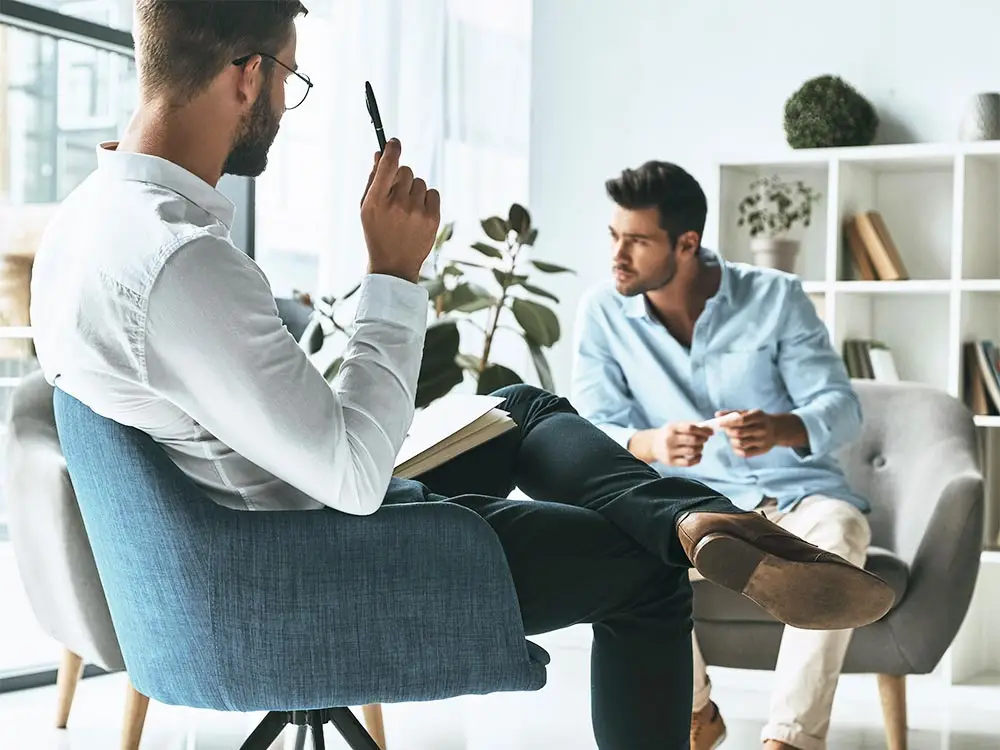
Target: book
859	252
870	360
885	257
447	428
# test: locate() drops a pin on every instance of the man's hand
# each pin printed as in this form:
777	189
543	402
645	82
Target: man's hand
675	444
400	217
754	432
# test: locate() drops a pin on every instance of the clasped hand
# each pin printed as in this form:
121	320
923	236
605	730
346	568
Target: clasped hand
750	432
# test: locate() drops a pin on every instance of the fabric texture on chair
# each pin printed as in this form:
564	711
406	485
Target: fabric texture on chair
916	461
246	611
51	547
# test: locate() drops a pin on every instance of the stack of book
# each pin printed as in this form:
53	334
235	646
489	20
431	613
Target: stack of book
875	255
870	360
981	367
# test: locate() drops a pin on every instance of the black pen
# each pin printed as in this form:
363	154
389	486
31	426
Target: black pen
376	118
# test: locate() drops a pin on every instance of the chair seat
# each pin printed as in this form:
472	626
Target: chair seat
717	604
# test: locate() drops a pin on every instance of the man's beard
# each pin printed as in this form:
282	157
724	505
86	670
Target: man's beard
248	157
633	285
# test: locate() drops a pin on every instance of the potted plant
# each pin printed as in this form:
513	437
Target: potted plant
458	301
770	210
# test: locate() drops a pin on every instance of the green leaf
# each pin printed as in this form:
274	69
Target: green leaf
540	324
434	384
440	344
452	270
495	377
469	298
333	369
542	366
487	250
470	264
540	292
495	228
529	238
550	267
519	219
352	292
505	279
434	287
444	235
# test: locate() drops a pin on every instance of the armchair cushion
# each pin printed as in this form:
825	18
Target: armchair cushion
247	611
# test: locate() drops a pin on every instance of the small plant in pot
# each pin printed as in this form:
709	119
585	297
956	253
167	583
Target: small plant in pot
770	210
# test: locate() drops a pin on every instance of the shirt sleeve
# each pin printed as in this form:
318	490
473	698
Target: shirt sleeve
816	378
600	392
216	347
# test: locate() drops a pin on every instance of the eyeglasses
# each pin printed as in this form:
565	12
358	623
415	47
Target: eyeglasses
297	85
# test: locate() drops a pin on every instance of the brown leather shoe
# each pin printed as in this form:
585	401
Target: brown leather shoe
708	730
798	583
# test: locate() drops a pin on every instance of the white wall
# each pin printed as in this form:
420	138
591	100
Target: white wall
617	82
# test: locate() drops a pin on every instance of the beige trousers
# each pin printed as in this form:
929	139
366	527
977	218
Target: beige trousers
809	661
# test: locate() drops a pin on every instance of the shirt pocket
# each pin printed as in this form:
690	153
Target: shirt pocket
744	379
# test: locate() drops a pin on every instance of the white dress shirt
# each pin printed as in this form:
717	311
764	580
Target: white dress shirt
144	310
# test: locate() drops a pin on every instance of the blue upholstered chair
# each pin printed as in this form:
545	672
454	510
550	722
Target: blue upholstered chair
300	614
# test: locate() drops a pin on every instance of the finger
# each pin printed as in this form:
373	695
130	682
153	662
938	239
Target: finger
403	182
750	432
689	460
694	429
418	192
682	440
432	202
371	177
385	170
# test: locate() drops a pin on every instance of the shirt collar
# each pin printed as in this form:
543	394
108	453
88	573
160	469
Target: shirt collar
135	167
637	307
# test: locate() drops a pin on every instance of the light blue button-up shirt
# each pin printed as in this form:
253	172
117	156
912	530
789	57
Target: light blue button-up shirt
758	344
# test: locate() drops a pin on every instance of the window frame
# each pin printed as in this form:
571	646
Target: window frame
43	21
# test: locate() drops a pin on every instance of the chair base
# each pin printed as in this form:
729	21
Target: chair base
354	734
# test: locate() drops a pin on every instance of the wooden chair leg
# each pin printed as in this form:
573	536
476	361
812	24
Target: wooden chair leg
69	675
892	691
374	724
136	705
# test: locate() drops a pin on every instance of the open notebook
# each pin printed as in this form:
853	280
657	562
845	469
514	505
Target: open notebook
448	428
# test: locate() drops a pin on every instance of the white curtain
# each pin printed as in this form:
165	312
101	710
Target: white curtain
452	79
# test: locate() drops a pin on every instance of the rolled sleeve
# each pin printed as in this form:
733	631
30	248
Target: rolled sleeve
816	379
600	392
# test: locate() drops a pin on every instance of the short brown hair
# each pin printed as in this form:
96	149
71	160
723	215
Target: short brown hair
182	45
666	187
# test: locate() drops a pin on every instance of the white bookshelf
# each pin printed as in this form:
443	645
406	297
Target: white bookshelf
941	204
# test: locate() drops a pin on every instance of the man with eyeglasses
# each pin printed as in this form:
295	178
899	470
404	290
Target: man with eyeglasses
145	310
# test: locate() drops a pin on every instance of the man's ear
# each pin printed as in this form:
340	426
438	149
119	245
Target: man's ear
688	243
251	80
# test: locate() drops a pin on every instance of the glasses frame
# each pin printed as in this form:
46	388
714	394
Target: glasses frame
241	61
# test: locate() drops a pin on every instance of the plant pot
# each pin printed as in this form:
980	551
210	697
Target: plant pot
772	252
981	121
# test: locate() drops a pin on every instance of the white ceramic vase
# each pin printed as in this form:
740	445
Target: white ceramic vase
981	121
774	252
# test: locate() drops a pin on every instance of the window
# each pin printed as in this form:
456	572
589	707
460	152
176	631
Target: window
58	100
452	79
114	13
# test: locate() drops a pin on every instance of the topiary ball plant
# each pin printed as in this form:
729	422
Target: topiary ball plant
827	111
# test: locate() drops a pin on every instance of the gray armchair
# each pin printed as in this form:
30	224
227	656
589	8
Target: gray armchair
917	462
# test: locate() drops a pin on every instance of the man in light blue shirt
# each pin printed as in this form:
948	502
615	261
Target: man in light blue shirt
724	373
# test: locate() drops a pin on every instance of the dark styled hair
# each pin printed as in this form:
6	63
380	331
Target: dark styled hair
182	45
667	187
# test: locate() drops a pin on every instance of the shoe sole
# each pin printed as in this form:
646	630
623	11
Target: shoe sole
807	595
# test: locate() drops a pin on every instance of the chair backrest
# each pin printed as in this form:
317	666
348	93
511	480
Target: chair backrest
149	527
51	547
915	441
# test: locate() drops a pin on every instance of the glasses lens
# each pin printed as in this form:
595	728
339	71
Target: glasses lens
295	91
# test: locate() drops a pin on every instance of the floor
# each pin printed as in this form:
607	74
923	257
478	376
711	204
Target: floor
957	718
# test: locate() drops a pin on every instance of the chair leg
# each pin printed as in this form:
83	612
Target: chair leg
351	730
374	723
69	675
136	705
892	691
266	732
